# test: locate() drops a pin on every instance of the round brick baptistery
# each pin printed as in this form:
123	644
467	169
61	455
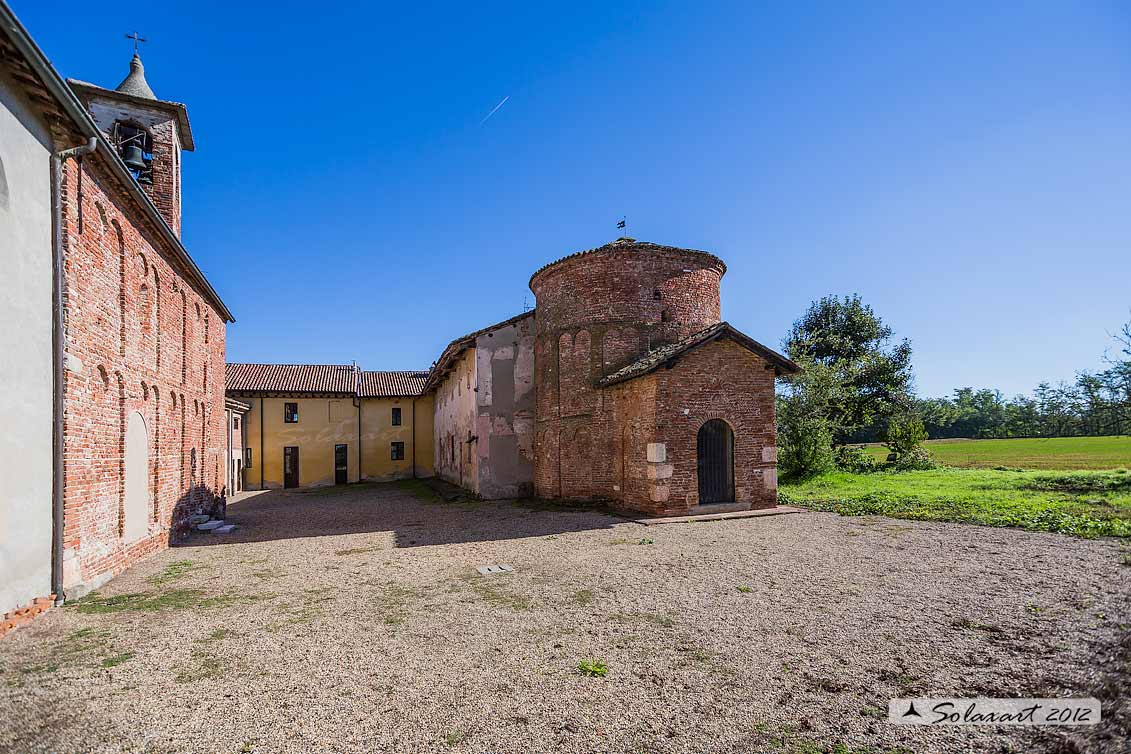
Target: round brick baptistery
598	311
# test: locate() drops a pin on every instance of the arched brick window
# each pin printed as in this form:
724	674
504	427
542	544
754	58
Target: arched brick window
575	385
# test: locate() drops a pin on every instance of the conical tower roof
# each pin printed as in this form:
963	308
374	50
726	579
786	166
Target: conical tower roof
135	83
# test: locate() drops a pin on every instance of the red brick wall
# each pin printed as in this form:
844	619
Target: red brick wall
597	311
148	341
165	189
633	426
720	380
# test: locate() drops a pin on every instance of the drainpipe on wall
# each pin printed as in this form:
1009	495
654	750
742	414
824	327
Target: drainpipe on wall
58	344
262	459
414	438
360	457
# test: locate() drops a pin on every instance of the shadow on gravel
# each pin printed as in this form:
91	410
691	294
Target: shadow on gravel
418	513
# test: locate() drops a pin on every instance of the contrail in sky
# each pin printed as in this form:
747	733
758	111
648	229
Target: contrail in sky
502	102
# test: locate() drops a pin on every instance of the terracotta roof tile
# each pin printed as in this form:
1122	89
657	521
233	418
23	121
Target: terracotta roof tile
392	384
292	378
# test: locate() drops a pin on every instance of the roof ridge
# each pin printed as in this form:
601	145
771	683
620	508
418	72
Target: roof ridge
658	356
622	241
394	371
282	364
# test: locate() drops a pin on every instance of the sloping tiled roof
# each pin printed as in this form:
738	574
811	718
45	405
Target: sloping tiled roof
462	343
392	384
292	378
662	355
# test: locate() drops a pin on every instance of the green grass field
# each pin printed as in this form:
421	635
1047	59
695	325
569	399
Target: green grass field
1083	503
1062	453
1071	485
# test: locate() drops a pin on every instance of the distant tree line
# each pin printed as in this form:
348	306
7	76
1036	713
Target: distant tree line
856	386
1096	403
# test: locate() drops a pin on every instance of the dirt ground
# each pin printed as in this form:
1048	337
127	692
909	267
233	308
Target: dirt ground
354	620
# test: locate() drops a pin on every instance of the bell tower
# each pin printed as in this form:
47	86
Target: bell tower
149	134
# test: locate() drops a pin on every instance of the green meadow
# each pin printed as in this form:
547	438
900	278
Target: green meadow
1077	486
1062	453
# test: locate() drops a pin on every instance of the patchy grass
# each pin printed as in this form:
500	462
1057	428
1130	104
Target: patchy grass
218	635
226	600
582	597
118	659
494	591
173	572
392	600
1085	504
357	550
204	667
86	647
176	599
1065	453
593	668
745	589
659	619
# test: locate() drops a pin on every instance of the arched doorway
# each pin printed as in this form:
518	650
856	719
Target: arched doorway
716	462
136	524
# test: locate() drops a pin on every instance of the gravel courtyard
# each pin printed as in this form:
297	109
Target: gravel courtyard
353	620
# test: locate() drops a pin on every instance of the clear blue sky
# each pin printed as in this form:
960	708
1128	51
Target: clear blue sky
965	168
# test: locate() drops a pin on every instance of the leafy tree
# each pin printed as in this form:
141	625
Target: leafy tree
905	433
805	437
870	374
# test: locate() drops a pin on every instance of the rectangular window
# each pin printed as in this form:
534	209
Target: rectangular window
396	416
290	413
398	451
247	458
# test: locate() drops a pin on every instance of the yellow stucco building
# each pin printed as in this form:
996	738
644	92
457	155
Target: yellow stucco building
312	425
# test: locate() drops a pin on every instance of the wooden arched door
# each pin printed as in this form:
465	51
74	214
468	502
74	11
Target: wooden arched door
716	462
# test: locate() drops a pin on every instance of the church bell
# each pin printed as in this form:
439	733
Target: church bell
133	157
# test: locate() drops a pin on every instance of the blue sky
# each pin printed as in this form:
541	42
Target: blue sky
964	167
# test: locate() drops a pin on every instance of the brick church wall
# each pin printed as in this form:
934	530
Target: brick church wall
720	380
141	338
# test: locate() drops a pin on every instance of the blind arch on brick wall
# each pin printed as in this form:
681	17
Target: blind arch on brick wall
575	387
136	523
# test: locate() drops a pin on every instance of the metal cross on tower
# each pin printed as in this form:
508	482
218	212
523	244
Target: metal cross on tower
136	38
